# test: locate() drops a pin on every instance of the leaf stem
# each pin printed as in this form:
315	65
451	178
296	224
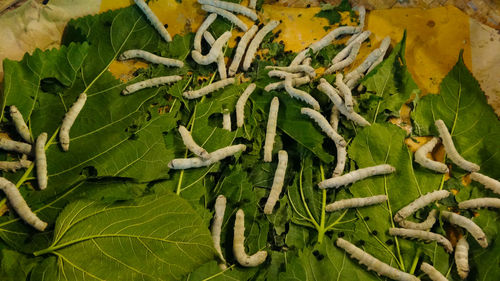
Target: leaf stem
322	229
415	261
313	221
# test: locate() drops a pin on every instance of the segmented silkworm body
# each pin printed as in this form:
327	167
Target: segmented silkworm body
299	94
283	74
17	202
227	15
433	273
373	263
345	91
449	147
355	203
425	225
295	68
12	166
154	82
419	203
281	84
462	257
203	27
341	159
356	176
221	63
252	4
272	120
279	177
421	157
239	244
226	120
469	225
232	7
153	19
383	49
208	89
347	61
220	209
240	49
147	56
190	144
324	125
215	51
240	105
327	39
254	44
488	182
357	38
300	57
422	235
15	146
69	119
334	118
41	161
21	127
480	203
361	16
213	157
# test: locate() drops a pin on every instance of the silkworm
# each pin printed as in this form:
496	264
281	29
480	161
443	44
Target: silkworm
239	244
419	203
307	61
213	157
383	49
345	91
361	16
215	51
154	82
422	235
41	161
208	89
449	147
232	7
227	15
240	49
341	159
357	175
296	82
484	202
425	225
295	68
373	263
69	119
153	19
462	257
190	144
21	127
332	93
421	157
324	125
203	27
300	57
17	202
220	209
334	118
346	62
252	4
279	177
299	94
356	38
16	146
488	182
150	57
272	120
12	166
469	225
355	203
283	74
221	63
254	44
240	105
226	120
332	35
433	273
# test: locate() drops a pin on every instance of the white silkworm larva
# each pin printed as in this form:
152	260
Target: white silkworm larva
272	121
17	202
16	146
433	273
361	16
307	61
485	202
356	176
226	120
332	93
221	63
227	15
69	119
12	166
232	7
462	257
347	61
299	94
419	203
489	183
300	57
345	91
213	157
324	125
154	82
239	244
208	89
21	127
295	68
252	4
421	157
383	49
203	27
357	38
190	144
240	105
153	19
254	44
327	39
41	161
449	147
296	82
240	49
283	74
351	39
341	159
422	235
334	118
215	51
150	57
355	203
373	263
469	225
220	208
279	177
425	225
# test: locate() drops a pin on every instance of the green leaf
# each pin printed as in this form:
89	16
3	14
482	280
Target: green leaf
332	13
212	271
16	266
